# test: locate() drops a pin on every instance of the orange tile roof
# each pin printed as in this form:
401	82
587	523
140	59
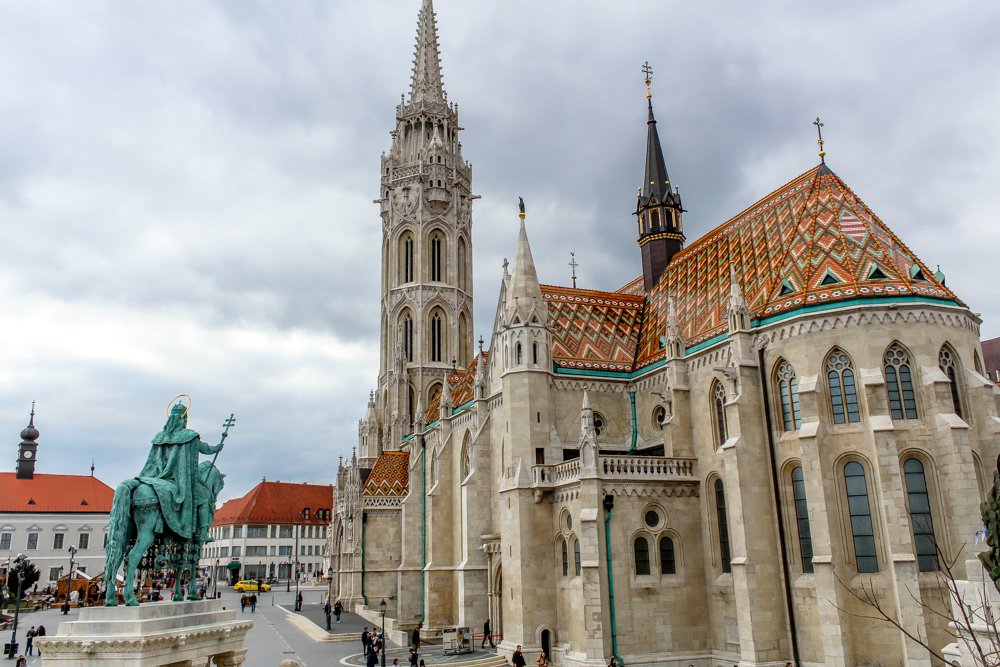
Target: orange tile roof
634	287
462	389
593	330
277	502
54	493
390	476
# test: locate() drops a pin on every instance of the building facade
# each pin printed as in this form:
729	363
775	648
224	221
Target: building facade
272	531
43	515
696	468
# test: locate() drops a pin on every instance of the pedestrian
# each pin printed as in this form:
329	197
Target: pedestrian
395	662
338	609
29	648
415	637
253	602
40	633
614	662
487	634
372	658
543	660
298	602
243	603
364	640
518	658
413	657
327	610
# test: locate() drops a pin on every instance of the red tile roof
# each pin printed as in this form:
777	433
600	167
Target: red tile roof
593	330
277	502
390	476
54	493
462	389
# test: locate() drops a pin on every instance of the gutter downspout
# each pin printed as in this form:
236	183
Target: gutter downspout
364	526
635	426
609	502
423	526
777	505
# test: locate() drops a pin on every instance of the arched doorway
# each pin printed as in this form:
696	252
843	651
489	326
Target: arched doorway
498	604
546	641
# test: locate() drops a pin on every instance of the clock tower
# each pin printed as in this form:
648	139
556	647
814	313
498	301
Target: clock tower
28	449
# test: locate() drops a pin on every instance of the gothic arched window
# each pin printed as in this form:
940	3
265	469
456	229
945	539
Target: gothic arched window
899	383
463	341
946	361
437	257
406	263
719	405
433	392
641	556
462	269
720	509
577	565
788	393
407	333
667	563
843	391
466	458
518	355
654	220
436	337
565	558
802	519
409	405
920	511
861	518
534	353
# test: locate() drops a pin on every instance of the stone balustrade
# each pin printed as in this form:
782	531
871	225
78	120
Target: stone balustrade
621	467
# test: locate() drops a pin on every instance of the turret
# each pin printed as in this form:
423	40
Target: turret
28	449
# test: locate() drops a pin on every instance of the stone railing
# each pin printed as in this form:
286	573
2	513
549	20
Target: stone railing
646	468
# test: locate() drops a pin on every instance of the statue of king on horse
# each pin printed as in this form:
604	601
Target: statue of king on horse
173	499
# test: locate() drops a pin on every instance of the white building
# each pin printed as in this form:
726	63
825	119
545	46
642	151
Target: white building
42	516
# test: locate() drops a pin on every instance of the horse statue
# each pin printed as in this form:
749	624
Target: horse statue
173	499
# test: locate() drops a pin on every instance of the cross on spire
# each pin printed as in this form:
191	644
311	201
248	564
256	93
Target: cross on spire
648	71
480	345
573	264
819	129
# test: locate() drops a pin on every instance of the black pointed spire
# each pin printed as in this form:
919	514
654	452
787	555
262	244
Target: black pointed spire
656	183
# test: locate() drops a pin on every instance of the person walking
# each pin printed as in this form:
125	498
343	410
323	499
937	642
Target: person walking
364	640
415	637
253	602
414	657
29	647
327	610
487	634
243	603
372	657
518	658
338	609
298	602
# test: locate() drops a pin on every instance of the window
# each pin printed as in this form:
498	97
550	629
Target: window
324	527
436	340
55	573
57	541
274	532
654	219
105	546
407	260
256	531
256	551
236	552
577	565
598	423
788	391
5	541
652	519
802	520
946	361
82	569
436	256
899	384
309	550
659	416
719	400
32	540
406	324
224	552
518	348
565	558
225	533
920	513
861	518
285	551
667	563
534	353
237	531
641	556
310	532
286	532
466	458
302	550
720	509
843	392
273	552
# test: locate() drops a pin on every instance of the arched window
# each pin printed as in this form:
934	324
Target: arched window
407	333
788	392
463	342
899	384
409	405
406	256
720	510
462	269
598	424
946	361
920	513
861	518
433	392
466	457
518	350
565	555
654	219
978	362
437	256
436	337
534	353
577	565
843	391
802	519
641	556
719	402
667	563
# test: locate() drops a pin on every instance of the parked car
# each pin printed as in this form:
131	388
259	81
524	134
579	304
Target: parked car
250	585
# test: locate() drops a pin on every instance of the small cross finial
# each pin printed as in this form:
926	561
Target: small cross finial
454	365
480	345
648	71
573	264
505	265
819	129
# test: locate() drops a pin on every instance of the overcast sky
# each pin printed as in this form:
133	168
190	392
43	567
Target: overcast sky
186	187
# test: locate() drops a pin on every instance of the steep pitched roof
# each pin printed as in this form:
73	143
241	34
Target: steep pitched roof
462	388
54	493
277	502
390	476
593	330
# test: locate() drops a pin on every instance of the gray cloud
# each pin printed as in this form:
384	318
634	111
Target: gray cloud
185	189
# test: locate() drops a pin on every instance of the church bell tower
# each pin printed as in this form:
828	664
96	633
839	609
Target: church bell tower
659	211
426	207
28	449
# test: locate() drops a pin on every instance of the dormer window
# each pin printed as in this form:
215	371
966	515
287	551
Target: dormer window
829	279
916	273
786	288
876	274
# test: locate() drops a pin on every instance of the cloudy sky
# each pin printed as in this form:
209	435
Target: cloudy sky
186	187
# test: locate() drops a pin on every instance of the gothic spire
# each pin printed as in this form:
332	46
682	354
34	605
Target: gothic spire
427	85
524	293
656	182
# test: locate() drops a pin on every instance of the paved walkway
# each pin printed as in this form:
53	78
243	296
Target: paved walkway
349	623
432	655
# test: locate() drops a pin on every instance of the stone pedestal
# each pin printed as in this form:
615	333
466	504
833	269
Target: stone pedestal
181	634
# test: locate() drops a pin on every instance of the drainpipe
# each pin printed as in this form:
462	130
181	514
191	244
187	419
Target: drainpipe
609	503
777	505
635	426
364	526
423	526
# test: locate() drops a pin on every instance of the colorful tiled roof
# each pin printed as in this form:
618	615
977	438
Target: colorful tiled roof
634	287
277	502
593	330
462	389
54	493
390	476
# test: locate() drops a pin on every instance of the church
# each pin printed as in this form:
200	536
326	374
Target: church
700	467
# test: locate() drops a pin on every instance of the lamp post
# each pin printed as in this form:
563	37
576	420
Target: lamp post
69	580
215	593
382	607
329	595
288	582
19	562
298	531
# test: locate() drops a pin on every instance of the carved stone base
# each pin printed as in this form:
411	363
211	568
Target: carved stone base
188	634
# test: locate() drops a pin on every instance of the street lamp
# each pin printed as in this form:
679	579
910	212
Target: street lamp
305	517
20	562
382	606
69	580
329	578
216	576
288	582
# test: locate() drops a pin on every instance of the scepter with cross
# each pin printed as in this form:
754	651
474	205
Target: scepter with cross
229	422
